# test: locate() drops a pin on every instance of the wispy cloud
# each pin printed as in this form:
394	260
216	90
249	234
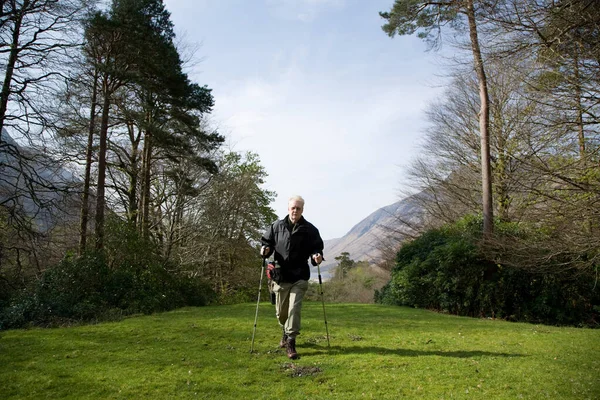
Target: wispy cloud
331	105
320	133
303	10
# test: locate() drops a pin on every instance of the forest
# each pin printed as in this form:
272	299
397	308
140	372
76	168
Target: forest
118	197
509	173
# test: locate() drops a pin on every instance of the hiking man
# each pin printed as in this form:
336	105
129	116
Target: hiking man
293	240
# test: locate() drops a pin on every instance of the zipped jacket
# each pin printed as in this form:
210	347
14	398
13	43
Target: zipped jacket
293	245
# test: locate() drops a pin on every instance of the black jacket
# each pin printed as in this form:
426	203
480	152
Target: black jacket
293	245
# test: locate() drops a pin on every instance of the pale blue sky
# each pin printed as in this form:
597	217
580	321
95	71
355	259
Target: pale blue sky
331	104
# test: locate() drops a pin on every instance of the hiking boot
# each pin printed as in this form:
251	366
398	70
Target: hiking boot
291	349
283	342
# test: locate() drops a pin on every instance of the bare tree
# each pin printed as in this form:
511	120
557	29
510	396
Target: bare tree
562	36
34	36
448	172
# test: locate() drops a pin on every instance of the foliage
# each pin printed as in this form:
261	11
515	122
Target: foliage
225	224
129	278
376	351
345	264
193	213
424	17
541	165
352	281
446	270
358	286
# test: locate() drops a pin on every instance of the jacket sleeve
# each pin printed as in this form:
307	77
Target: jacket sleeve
317	246
268	240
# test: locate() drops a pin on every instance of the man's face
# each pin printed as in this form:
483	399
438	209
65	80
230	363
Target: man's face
295	209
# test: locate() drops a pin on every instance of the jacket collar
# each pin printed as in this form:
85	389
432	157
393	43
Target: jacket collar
287	221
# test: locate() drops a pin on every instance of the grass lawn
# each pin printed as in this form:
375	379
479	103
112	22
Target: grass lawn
376	352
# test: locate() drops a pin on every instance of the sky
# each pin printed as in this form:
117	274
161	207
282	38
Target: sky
333	106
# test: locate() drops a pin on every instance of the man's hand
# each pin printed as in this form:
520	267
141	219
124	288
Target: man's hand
318	258
264	251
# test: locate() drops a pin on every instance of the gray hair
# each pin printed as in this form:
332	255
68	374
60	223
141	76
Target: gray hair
296	198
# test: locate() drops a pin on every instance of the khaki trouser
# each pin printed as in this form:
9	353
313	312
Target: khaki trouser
288	305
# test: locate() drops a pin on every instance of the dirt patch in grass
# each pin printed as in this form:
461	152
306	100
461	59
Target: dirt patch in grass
296	371
315	339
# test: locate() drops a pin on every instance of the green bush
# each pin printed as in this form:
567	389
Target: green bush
445	270
86	289
73	289
19	311
357	286
127	278
241	294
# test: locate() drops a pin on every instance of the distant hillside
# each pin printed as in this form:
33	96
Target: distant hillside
34	186
362	240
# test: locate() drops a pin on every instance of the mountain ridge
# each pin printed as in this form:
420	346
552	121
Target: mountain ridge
363	238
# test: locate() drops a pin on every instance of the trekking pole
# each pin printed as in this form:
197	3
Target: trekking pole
323	302
262	272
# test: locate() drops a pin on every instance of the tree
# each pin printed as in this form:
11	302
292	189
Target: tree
109	50
450	171
223	225
34	35
75	123
428	17
345	264
132	45
563	38
162	105
83	221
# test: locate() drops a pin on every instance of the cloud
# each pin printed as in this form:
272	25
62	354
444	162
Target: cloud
330	104
328	135
302	10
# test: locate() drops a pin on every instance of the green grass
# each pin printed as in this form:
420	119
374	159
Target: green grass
377	352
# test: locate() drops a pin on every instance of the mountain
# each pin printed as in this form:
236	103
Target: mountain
362	240
35	187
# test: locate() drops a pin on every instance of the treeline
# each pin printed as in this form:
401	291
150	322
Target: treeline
447	270
350	282
116	196
522	110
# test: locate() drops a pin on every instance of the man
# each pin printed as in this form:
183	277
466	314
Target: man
293	240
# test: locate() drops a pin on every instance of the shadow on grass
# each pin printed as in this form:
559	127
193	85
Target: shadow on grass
336	350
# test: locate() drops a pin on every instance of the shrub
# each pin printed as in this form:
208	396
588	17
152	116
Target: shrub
446	270
127	278
358	286
85	289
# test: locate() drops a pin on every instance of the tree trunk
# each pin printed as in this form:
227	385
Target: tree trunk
145	220
587	220
101	201
85	207
501	171
484	123
133	179
578	96
10	68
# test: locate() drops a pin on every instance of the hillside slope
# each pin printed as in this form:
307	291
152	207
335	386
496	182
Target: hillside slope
362	240
34	186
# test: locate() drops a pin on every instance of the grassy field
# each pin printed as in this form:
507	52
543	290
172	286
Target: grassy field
376	352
